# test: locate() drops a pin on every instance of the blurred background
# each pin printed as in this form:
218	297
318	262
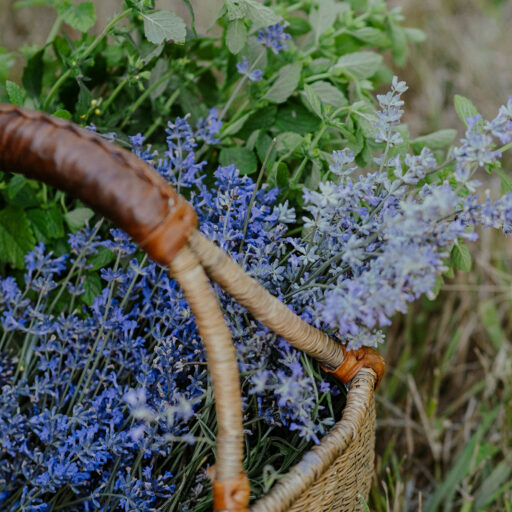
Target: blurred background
445	407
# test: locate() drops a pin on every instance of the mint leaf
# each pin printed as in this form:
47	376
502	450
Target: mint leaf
32	78
287	81
92	286
47	224
328	94
242	158
260	15
101	259
236	9
461	257
312	101
80	17
16	183
236	36
16	237
464	108
163	26
372	36
78	217
434	140
15	92
360	64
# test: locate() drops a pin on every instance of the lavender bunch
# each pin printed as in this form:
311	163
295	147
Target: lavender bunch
105	390
105	393
379	240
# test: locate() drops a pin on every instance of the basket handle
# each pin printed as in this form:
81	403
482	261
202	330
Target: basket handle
117	184
113	181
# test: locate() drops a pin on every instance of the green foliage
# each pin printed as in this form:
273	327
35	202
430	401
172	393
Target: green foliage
464	108
146	67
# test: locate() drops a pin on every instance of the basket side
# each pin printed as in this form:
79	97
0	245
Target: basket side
335	474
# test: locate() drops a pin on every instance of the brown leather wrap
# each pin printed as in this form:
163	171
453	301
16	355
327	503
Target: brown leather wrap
232	495
355	360
111	180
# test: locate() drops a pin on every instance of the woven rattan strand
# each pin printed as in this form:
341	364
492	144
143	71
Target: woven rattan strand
337	473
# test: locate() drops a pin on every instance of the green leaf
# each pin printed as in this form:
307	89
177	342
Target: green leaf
329	94
242	158
92	286
287	142
16	183
312	101
159	70
415	35
464	108
232	128
62	113
16	237
372	36
492	323
461	257
236	36
32	78
322	17
361	64
506	181
15	92
236	9
282	175
263	117
297	26
287	81
78	217
298	119
47	224
160	26
263	145
260	15
101	259
80	17
434	140
399	48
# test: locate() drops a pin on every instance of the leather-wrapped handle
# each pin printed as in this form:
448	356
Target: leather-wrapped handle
111	180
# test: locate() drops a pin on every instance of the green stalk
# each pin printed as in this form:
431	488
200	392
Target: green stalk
239	86
158	120
134	106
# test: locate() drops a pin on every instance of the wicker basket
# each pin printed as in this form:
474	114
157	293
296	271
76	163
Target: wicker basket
336	474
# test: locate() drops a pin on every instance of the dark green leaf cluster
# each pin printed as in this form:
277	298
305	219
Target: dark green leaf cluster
146	66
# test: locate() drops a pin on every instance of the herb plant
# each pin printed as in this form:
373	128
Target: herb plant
301	73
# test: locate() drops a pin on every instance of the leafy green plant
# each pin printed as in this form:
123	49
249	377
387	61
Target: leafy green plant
147	66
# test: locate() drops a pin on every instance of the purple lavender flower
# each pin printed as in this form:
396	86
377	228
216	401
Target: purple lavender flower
243	68
274	37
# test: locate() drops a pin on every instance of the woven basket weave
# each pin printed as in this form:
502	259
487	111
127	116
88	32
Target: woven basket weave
336	474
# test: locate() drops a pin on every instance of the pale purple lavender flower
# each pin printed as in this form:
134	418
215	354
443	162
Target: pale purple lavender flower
243	68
